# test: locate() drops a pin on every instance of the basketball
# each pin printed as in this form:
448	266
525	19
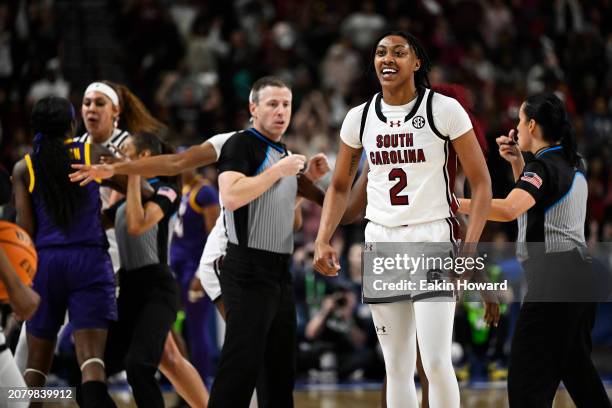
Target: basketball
21	253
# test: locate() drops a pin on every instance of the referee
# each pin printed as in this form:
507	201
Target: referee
255	279
552	339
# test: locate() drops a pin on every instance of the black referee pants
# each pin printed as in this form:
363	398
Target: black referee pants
147	303
260	336
552	342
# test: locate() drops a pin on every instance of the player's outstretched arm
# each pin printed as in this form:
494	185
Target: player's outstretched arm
160	165
506	209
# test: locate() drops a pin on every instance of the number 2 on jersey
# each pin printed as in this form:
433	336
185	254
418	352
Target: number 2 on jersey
394	192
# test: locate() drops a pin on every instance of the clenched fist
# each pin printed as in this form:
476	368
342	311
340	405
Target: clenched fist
290	165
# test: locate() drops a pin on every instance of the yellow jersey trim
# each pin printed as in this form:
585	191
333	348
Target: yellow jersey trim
192	200
28	161
88	158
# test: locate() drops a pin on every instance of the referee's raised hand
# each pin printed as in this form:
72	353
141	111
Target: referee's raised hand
290	165
508	147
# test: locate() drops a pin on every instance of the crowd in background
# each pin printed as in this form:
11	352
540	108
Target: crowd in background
193	63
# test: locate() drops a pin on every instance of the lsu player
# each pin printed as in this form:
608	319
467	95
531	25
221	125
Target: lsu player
74	269
412	138
110	113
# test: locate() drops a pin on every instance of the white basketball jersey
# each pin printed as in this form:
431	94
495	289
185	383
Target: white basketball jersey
412	163
114	144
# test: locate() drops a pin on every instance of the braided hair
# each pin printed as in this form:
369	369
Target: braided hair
52	120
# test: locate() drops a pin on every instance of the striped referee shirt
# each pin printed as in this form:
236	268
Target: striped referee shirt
150	247
265	223
560	191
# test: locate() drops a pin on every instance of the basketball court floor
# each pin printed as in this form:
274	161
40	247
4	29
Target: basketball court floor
478	395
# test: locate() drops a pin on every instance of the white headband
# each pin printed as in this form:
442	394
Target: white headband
104	89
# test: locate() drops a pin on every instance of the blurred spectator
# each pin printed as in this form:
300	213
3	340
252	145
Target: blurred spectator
252	15
476	63
6	61
498	19
191	100
152	42
598	122
541	75
568	16
364	26
53	84
204	46
341	67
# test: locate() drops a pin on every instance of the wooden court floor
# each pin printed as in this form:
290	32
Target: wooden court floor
470	398
492	397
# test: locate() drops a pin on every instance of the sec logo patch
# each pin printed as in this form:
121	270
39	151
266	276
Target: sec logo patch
418	122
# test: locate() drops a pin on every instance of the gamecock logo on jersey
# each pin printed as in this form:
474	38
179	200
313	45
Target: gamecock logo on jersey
418	122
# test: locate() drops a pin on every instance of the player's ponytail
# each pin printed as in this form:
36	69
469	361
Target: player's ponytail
549	112
51	120
568	141
134	116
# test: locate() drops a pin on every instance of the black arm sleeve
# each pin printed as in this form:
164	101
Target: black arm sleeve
535	180
167	197
237	155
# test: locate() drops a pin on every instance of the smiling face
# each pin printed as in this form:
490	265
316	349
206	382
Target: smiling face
272	111
98	114
395	62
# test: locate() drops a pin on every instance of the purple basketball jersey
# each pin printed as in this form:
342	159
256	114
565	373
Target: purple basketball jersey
86	227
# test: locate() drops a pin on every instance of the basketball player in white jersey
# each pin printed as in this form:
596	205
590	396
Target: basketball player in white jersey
111	112
411	137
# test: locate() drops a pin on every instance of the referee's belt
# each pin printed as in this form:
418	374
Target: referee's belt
266	257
